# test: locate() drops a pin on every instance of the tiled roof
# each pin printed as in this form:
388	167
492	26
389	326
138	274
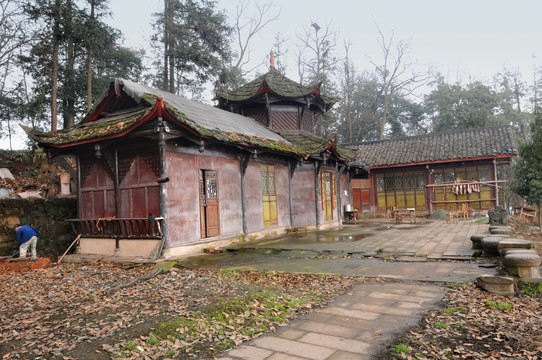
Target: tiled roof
205	120
276	83
313	144
437	147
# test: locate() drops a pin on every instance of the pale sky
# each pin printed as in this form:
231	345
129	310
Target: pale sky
462	39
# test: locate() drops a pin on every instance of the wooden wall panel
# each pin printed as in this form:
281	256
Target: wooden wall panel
253	189
304	211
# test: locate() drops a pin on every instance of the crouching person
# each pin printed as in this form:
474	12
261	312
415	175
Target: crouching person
27	237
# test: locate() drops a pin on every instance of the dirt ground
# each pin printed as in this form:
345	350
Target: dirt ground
23	266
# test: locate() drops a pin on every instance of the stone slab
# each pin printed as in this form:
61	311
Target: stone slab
496	284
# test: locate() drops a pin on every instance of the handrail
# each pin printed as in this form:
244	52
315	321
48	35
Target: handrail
118	228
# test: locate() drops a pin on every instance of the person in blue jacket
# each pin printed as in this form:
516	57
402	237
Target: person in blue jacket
27	237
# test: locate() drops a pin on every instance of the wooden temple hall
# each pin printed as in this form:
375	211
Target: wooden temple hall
160	175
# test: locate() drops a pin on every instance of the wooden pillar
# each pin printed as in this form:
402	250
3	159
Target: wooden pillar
291	169
338	187
117	185
317	202
496	182
79	187
163	182
243	163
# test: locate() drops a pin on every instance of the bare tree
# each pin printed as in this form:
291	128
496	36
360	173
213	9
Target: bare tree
316	62
12	34
246	27
12	38
347	89
316	53
395	73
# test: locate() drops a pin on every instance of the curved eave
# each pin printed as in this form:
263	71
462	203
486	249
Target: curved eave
442	161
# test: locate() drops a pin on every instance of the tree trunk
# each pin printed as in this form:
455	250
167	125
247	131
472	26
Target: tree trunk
166	45
171	47
54	74
69	112
89	56
539	214
385	115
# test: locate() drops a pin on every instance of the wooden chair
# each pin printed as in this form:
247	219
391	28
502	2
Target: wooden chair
463	212
451	216
391	211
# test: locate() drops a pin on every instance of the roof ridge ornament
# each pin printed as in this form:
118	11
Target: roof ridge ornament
271	60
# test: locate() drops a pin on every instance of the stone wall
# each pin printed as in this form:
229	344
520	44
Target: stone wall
47	215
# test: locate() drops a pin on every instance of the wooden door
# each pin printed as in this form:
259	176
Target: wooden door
209	204
327	197
269	196
357	200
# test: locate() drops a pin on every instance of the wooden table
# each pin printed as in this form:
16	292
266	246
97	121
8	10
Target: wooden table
400	214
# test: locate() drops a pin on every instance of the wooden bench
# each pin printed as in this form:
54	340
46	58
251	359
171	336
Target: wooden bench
525	214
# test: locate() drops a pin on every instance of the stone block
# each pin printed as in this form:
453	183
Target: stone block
515	244
507	251
523	265
477	241
504	230
490	245
496	284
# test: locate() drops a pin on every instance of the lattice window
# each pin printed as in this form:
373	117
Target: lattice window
380	184
420	183
263	173
409	182
86	168
125	162
450	176
472	174
268	180
460	175
211	184
153	162
389	184
271	181
439	178
483	173
399	183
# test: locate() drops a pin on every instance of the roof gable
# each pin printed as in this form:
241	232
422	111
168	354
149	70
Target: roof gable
199	118
489	142
274	82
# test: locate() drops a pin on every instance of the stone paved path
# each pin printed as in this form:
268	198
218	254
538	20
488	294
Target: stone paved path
354	326
360	324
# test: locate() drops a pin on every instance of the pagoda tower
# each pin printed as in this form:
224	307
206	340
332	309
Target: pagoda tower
277	102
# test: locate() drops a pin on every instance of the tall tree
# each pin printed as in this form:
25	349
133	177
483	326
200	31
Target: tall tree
454	107
97	10
316	63
348	86
513	91
528	168
397	75
250	18
13	37
49	34
196	42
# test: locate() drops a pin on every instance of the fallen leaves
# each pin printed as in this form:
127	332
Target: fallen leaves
493	327
102	310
